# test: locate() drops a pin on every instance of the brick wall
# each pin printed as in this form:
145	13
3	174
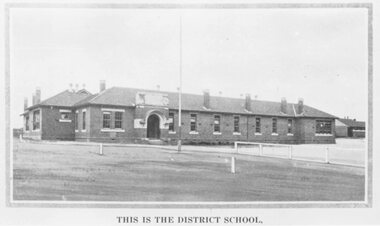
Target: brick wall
205	129
95	130
53	127
306	127
134	127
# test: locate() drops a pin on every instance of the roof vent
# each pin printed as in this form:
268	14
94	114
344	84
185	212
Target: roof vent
71	89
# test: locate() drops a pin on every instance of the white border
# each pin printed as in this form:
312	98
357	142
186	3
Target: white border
361	202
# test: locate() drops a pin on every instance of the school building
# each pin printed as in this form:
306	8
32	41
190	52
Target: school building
131	115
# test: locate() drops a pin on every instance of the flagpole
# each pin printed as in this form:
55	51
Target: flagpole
180	88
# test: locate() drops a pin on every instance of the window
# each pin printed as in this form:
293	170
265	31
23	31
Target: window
106	120
290	126
27	122
84	120
171	121
236	124
76	121
36	120
217	123
65	115
274	125
323	127
193	122
118	120
258	125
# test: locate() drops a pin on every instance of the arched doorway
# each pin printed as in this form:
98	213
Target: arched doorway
153	129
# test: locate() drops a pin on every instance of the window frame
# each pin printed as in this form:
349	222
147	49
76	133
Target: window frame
171	122
217	125
106	120
193	124
257	125
236	124
84	116
274	126
289	129
76	121
327	124
64	119
36	124
64	115
118	120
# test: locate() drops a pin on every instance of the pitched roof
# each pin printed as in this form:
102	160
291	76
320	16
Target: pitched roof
119	96
352	122
64	99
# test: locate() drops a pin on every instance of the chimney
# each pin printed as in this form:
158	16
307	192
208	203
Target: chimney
102	85
34	99
25	103
38	95
248	102
206	98
76	87
284	105
83	86
300	106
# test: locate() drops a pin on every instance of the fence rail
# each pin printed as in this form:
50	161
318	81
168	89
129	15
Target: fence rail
324	154
315	153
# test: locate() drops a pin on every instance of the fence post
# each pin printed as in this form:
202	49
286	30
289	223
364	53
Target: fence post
20	137
261	149
327	155
236	147
233	169
101	149
290	152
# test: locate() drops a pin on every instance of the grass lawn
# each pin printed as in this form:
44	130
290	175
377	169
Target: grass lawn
79	173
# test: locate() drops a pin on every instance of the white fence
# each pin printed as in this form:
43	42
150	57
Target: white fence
308	152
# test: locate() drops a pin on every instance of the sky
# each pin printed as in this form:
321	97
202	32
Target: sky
319	55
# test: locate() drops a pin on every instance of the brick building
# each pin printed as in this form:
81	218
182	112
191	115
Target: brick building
346	127
135	115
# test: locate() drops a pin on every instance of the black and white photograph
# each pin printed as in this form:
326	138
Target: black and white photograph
243	110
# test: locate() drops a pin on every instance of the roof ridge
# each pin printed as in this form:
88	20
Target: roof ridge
42	102
194	94
100	94
316	109
123	96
